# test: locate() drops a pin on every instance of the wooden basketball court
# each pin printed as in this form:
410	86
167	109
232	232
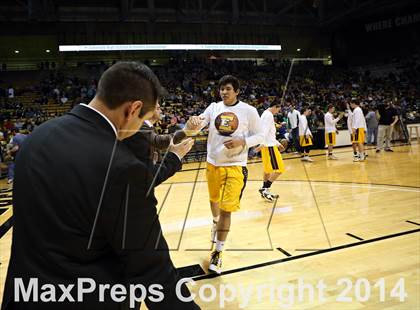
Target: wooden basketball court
354	226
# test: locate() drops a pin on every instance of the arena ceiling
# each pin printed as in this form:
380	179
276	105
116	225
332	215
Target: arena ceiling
317	13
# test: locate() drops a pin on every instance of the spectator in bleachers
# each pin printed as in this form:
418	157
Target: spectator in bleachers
191	87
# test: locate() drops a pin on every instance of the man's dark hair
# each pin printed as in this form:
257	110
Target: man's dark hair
275	103
229	79
304	108
355	101
330	106
129	81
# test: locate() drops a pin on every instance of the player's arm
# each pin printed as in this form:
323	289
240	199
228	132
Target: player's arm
335	120
197	123
356	122
258	148
265	129
256	129
307	132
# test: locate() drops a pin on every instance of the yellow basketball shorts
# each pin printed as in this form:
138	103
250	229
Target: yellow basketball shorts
272	160
226	185
305	141
358	136
330	138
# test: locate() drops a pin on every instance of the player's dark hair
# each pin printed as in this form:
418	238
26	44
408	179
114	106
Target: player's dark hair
275	103
229	79
303	110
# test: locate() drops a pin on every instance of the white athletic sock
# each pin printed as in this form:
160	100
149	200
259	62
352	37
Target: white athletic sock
216	219
219	245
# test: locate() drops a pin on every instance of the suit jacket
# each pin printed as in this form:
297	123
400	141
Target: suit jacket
81	211
147	144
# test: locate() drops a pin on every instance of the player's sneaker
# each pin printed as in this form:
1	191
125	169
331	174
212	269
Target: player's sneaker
355	157
269	196
216	262
213	232
308	159
332	157
359	158
261	191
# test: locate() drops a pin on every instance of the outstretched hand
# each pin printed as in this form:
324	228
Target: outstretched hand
182	148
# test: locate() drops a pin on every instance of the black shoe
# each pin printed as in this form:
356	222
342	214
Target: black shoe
377	151
216	262
388	150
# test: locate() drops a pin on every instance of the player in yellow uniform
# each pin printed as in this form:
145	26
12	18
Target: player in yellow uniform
234	127
305	134
270	152
331	130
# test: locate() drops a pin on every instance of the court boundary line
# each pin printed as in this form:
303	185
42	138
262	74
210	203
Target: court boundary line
299	157
284	252
297	257
411	222
2	227
354	236
317	181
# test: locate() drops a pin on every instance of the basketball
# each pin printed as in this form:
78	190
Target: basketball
226	123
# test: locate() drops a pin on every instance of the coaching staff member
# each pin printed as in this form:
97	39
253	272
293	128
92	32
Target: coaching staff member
80	205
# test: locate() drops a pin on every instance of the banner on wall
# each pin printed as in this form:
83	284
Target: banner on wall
393	22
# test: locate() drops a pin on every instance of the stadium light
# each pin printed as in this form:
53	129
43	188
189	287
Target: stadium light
16	52
168	47
298	49
47	51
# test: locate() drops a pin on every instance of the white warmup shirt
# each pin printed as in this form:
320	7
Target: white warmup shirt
303	126
359	120
330	122
293	118
350	120
269	129
249	127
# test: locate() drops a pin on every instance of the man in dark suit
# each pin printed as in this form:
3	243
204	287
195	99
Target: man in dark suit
81	211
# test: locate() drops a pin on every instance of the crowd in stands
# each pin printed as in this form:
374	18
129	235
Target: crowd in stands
192	85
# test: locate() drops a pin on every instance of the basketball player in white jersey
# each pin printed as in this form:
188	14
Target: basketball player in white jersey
270	152
349	113
234	127
358	130
305	134
331	130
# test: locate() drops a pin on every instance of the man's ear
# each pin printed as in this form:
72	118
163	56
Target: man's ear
133	109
